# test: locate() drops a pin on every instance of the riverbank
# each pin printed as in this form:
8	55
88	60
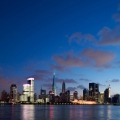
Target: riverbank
70	103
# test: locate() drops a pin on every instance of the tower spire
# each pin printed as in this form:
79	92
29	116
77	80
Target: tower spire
54	85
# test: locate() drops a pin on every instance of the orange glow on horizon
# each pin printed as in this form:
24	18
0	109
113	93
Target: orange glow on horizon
83	102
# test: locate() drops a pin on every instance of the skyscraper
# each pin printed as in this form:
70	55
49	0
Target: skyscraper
31	83
13	93
85	94
107	95
54	85
75	95
94	91
4	96
63	87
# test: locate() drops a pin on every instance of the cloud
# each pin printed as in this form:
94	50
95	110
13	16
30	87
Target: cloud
71	88
101	84
68	60
58	67
115	80
116	17
6	82
66	80
74	88
88	57
109	36
118	62
41	74
80	38
83	79
81	87
98	58
47	85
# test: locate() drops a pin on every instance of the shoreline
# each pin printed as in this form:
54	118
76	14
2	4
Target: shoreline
51	104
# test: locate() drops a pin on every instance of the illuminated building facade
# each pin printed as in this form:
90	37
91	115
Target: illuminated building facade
28	91
54	85
30	81
94	91
51	96
13	93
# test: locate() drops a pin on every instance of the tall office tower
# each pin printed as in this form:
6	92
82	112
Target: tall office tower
26	89
13	93
75	95
94	91
107	95
4	96
35	97
109	88
30	81
26	92
67	95
42	92
63	87
54	85
85	94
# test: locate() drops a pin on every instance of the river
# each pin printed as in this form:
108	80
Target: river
59	112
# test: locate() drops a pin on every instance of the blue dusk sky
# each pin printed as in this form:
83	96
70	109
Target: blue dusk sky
79	40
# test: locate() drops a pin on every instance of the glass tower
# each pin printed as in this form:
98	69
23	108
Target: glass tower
13	93
54	85
63	87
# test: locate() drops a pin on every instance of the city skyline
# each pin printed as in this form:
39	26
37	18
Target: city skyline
78	40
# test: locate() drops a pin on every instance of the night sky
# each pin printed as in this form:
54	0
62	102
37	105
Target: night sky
79	40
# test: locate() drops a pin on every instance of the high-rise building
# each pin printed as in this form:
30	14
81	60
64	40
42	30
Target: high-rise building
4	96
75	95
13	93
54	85
67	95
43	95
51	96
42	92
30	81
101	98
85	94
63	87
71	97
28	91
94	91
107	95
116	99
35	97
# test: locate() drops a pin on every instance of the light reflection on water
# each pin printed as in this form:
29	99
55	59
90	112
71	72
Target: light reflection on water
27	112
59	112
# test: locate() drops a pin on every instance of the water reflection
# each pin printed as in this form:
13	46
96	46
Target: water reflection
59	112
51	112
109	112
27	112
12	114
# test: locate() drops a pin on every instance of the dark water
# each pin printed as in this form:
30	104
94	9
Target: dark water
59	112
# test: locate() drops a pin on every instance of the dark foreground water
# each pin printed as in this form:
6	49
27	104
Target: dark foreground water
59	112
